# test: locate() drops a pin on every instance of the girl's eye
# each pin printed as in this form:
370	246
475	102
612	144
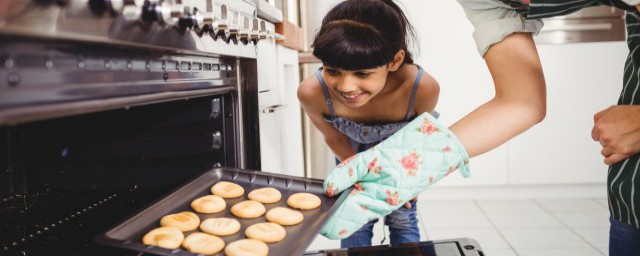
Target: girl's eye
332	72
362	74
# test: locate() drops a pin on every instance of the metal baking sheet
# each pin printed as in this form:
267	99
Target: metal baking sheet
129	233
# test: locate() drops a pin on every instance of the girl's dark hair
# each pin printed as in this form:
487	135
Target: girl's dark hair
363	34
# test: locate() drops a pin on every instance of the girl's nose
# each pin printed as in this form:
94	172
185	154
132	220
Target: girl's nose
347	85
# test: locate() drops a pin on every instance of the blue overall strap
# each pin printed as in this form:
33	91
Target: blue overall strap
413	93
325	91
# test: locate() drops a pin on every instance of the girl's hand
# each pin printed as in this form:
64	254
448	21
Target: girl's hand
408	204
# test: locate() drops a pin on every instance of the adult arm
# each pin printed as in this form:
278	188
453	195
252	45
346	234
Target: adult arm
505	41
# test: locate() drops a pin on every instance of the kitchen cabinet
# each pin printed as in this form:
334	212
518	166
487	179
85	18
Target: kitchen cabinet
280	122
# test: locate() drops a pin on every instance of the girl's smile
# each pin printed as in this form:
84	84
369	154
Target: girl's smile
352	97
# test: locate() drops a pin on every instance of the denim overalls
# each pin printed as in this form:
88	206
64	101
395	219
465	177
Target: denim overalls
403	223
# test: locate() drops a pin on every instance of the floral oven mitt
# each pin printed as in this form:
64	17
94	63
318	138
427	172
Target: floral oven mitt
392	173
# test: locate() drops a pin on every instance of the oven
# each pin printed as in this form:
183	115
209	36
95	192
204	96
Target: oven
107	105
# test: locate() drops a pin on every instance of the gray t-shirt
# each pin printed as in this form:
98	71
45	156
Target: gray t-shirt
494	20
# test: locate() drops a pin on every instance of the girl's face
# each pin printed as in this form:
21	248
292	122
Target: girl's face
355	88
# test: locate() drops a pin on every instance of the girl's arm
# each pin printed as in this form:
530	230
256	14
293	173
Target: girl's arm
519	102
312	101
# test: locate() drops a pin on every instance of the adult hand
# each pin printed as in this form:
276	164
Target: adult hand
617	128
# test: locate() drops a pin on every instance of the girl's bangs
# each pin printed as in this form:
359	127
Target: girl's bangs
351	48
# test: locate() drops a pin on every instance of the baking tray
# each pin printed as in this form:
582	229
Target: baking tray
129	233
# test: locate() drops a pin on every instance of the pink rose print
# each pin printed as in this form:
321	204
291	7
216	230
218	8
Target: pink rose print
364	208
330	190
357	187
431	180
343	232
411	163
350	172
374	167
346	161
446	149
427	127
393	198
453	169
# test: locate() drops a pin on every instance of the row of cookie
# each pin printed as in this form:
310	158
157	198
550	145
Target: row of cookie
202	243
225	190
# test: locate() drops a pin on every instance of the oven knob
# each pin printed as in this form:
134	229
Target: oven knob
192	20
149	12
208	22
112	7
254	35
161	13
221	29
233	28
132	9
217	140
198	21
263	30
243	34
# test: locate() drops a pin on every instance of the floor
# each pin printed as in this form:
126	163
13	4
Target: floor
513	226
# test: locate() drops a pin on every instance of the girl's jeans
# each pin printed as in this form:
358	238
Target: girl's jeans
624	239
403	226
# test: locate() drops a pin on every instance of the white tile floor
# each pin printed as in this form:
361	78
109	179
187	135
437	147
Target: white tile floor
526	226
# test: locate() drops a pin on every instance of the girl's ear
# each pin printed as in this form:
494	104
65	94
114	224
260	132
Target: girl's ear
398	59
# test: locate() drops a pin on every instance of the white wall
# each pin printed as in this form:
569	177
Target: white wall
581	79
448	52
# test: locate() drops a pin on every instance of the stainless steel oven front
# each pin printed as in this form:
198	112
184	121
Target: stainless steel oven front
105	105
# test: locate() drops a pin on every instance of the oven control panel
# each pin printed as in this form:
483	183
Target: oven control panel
224	27
219	22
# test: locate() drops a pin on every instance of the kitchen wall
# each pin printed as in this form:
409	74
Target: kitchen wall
582	79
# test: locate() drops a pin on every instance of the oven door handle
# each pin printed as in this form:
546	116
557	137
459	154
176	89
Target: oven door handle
273	108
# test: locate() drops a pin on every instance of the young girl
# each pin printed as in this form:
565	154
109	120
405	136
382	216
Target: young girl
367	89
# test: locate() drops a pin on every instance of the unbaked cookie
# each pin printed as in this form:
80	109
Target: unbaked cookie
247	247
227	189
220	226
209	204
265	195
202	243
164	237
184	221
248	209
266	232
303	201
284	216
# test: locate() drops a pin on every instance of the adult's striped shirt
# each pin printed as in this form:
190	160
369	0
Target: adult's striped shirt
623	179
